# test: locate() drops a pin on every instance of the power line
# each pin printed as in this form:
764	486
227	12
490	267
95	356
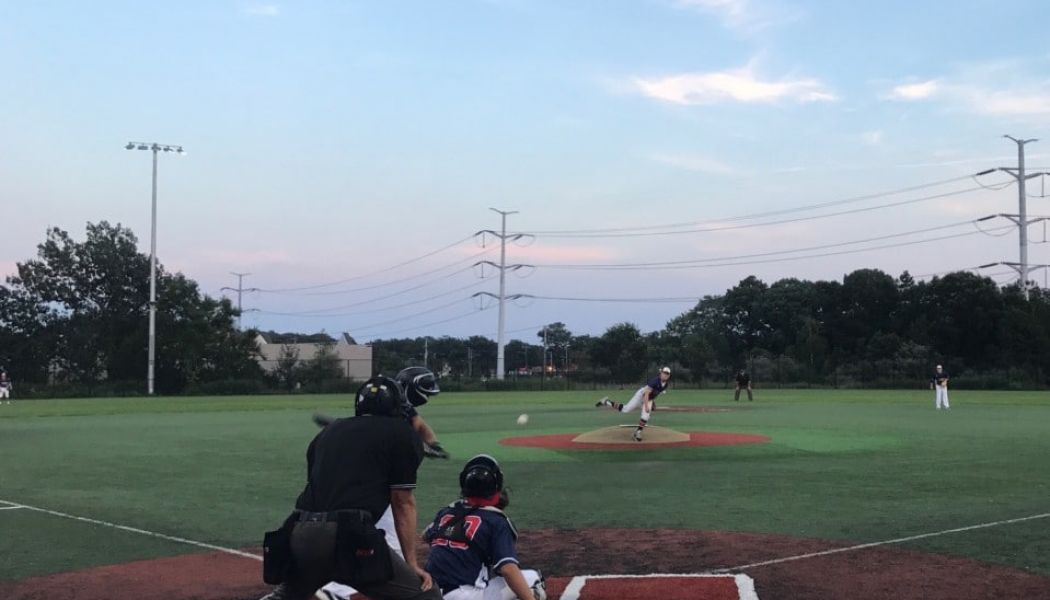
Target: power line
626	300
759	254
371	273
777	222
317	313
692	265
394	294
417	327
750	216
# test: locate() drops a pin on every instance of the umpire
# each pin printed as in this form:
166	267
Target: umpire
356	467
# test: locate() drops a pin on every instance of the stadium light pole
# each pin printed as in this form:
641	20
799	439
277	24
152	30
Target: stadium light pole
152	352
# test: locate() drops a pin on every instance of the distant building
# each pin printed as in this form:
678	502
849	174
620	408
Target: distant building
355	360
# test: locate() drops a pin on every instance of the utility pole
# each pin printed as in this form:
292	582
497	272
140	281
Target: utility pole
240	289
503	267
152	351
1021	218
426	352
470	362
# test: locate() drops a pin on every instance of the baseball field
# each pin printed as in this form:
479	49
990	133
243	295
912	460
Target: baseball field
835	494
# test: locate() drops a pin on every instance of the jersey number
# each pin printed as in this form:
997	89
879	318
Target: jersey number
471	525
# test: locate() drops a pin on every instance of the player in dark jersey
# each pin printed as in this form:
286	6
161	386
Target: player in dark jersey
743	382
645	397
418	386
472	542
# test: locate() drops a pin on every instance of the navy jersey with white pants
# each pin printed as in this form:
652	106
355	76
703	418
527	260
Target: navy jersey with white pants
655	387
468	546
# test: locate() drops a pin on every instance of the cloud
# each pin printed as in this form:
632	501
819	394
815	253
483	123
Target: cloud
872	138
262	10
692	162
1001	89
742	16
914	91
734	85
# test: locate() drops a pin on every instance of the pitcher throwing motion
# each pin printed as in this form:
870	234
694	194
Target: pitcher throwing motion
645	398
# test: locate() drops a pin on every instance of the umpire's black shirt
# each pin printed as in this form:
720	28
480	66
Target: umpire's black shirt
355	462
743	379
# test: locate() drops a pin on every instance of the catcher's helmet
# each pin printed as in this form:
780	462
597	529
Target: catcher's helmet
379	396
419	384
481	477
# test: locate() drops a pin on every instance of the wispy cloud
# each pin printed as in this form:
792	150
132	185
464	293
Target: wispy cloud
262	10
742	16
1002	89
914	91
733	85
872	138
692	162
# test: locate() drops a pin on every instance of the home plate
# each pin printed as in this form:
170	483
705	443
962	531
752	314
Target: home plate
664	587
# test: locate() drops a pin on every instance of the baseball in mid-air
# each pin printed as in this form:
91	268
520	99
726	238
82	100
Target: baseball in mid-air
523	419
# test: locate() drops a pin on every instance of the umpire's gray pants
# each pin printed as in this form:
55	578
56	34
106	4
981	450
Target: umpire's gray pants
313	546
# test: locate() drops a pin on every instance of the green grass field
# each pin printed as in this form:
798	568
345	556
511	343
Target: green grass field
849	465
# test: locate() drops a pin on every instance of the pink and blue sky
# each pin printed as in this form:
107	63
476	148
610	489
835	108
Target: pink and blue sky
329	140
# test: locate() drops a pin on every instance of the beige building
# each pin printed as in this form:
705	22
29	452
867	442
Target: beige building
354	359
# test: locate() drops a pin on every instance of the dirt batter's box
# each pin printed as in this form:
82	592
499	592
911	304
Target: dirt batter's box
648	587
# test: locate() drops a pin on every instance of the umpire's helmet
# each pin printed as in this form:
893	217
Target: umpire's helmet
379	396
419	384
481	477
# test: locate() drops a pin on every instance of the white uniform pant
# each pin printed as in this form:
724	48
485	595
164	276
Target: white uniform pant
636	401
5	392
942	396
386	523
495	590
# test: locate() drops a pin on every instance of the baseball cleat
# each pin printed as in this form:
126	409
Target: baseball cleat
637	435
603	402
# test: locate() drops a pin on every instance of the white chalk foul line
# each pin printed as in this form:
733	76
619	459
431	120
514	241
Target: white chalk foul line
745	585
10	507
153	534
900	540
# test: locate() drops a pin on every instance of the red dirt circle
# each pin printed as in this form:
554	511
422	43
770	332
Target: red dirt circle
563	441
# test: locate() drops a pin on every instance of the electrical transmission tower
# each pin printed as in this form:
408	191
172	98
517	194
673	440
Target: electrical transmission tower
1021	218
502	267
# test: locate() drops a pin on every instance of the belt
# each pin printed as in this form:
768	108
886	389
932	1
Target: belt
305	516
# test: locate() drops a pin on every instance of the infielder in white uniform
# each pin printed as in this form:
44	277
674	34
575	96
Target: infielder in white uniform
5	387
940	384
644	398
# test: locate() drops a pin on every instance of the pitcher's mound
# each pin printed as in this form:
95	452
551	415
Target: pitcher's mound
622	435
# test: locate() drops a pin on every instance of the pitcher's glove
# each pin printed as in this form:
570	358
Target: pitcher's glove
434	450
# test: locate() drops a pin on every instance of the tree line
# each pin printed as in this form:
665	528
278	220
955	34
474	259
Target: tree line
75	316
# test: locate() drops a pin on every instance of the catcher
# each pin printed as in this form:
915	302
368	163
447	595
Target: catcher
472	542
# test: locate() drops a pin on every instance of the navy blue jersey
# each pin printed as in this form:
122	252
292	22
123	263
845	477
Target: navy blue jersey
941	377
484	537
655	387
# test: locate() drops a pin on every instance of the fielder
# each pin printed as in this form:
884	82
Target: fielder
418	385
940	384
645	397
472	542
5	387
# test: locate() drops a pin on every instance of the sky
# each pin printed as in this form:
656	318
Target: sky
343	153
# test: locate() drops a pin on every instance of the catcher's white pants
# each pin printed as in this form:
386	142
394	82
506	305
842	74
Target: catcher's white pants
495	590
386	523
636	401
5	392
942	396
